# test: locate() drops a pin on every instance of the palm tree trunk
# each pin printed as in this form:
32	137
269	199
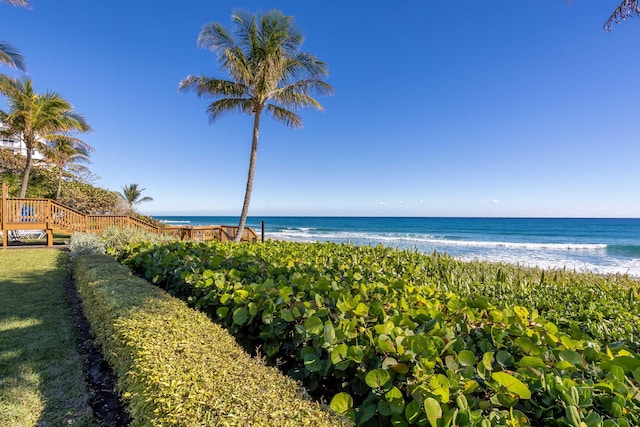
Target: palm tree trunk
59	184
25	175
252	169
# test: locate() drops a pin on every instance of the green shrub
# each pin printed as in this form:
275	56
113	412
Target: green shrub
85	244
380	333
116	239
175	367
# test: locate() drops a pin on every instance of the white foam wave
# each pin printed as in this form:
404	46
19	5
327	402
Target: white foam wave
403	240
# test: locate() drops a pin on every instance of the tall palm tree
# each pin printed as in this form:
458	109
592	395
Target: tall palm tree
268	74
9	55
133	195
626	9
35	118
68	154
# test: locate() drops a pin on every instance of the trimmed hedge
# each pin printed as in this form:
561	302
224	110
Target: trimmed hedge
175	367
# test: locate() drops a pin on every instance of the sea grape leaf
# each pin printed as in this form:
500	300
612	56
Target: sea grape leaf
222	312
329	332
439	385
413	412
531	362
571	356
470	386
512	384
466	358
433	410
361	310
377	378
384	408
339	353
366	412
287	315
627	363
355	353
384	344
398	420
400	368
240	315
313	325
563	365
504	358
528	346
384	328
487	360
396	401
286	292
313	363
341	402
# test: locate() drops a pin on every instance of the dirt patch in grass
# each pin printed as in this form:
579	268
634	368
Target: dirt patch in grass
104	400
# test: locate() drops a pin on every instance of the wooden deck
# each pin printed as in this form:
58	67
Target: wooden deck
49	216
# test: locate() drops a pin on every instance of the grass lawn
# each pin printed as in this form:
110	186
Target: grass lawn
41	379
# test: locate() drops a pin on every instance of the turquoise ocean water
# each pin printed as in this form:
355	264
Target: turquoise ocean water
598	245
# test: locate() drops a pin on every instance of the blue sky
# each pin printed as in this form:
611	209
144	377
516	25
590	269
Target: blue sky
441	108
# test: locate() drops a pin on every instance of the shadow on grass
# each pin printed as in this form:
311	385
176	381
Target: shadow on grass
41	379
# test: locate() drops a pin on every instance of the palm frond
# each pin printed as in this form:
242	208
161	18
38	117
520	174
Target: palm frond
11	57
306	86
215	37
211	87
222	107
626	9
23	3
296	100
288	117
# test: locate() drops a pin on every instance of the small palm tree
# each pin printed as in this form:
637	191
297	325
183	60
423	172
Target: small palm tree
68	155
133	195
626	9
268	74
9	55
35	118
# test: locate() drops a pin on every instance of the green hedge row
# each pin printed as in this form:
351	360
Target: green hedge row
175	367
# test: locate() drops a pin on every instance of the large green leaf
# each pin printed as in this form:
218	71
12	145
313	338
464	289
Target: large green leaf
433	410
341	402
377	378
512	384
240	315
313	325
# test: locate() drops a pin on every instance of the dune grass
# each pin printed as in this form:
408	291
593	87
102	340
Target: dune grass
41	379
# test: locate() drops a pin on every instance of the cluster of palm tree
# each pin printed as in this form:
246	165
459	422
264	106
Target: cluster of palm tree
43	122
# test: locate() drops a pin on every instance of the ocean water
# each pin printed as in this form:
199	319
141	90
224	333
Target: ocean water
598	245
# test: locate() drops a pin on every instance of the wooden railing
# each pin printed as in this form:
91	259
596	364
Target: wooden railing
49	216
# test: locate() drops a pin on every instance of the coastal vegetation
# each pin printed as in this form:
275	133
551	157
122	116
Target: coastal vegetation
37	118
177	368
393	337
269	74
